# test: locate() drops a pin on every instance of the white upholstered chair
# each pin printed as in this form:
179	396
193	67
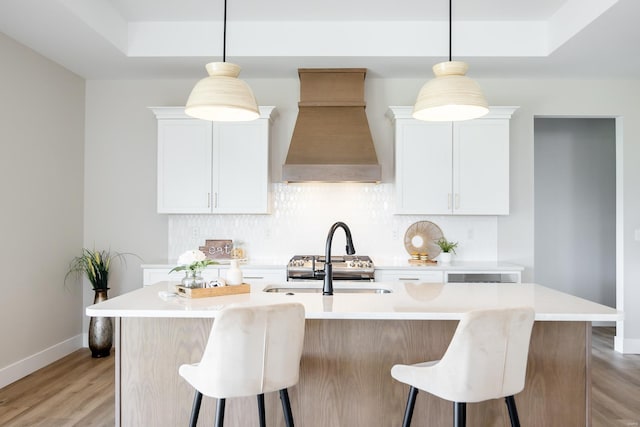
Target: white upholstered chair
486	359
251	350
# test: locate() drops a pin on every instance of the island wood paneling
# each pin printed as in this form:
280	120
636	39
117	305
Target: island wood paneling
345	375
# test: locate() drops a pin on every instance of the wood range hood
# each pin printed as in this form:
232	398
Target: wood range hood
331	140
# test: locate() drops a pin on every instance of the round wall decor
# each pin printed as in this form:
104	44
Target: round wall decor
421	237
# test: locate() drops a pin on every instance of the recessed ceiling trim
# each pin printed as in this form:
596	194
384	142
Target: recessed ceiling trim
573	17
102	18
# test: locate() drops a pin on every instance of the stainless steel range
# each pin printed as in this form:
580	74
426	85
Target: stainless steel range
346	267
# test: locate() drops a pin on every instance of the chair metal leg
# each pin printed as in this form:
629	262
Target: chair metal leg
195	409
220	413
286	407
261	416
459	414
411	403
513	411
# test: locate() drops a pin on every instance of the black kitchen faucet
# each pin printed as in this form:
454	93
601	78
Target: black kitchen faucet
327	288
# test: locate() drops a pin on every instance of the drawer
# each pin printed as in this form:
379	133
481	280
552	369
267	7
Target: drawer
408	275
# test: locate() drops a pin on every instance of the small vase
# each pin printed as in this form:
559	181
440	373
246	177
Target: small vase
234	274
192	279
444	258
100	329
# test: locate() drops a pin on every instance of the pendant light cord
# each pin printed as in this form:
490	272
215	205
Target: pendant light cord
449	29
224	34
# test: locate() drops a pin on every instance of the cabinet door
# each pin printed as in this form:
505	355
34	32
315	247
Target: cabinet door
241	167
423	167
184	166
481	167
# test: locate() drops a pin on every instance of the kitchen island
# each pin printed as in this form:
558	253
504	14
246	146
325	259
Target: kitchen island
351	342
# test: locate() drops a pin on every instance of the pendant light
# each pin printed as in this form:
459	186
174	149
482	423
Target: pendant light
222	96
451	96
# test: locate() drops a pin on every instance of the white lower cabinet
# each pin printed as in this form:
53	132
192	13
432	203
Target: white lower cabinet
250	275
260	276
408	275
155	275
448	276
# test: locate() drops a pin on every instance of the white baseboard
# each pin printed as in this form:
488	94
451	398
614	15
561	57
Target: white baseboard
626	346
24	367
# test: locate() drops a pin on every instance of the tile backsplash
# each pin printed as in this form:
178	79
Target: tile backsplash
303	213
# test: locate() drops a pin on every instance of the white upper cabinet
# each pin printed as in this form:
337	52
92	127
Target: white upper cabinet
212	167
459	168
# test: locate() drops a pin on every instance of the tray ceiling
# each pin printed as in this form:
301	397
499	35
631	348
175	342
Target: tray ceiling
117	39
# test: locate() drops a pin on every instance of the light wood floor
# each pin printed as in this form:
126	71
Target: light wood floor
74	391
79	391
615	380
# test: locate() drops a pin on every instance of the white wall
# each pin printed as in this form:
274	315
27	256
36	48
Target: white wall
41	182
117	120
575	207
120	175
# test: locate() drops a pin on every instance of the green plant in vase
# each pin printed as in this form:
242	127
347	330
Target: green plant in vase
95	265
447	247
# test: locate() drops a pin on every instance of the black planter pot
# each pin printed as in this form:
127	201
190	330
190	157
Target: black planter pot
100	329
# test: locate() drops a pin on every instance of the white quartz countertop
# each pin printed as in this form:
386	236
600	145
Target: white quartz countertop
418	301
383	264
224	264
467	266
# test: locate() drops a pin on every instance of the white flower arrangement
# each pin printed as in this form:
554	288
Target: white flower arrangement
193	260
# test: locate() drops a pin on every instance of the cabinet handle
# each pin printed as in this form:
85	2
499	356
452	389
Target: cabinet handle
449	201
215	198
408	278
208	200
457	200
254	277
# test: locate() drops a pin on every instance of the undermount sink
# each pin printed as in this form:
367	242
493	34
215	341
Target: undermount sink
337	288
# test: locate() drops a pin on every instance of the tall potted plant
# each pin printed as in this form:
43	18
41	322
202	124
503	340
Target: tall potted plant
95	266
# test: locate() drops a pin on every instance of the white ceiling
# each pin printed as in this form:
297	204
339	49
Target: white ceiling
119	39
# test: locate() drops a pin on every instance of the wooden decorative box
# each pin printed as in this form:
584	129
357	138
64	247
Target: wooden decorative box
422	262
218	291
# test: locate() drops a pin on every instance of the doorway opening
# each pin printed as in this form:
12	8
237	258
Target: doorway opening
575	206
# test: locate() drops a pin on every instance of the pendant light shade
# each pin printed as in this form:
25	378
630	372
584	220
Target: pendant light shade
222	96
451	96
